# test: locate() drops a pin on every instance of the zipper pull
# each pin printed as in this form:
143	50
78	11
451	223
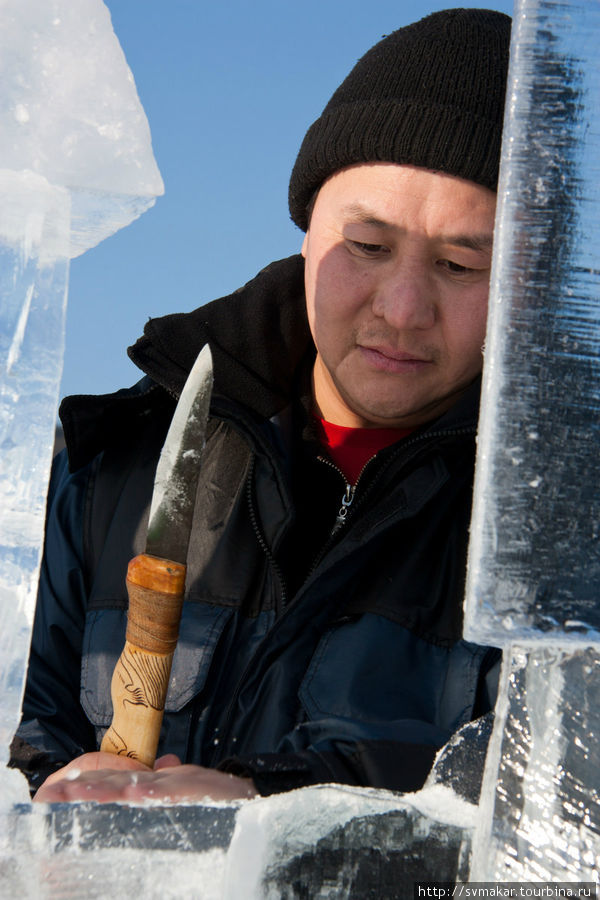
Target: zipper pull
347	499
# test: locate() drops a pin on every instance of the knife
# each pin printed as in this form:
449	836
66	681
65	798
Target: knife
156	578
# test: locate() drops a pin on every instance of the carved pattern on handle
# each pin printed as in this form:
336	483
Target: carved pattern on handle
138	689
112	742
141	676
144	678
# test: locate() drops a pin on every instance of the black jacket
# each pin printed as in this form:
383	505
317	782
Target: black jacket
303	657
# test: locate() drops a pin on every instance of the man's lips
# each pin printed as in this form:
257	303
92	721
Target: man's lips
387	359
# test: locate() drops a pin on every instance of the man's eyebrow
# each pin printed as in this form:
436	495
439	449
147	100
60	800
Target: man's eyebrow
365	216
477	242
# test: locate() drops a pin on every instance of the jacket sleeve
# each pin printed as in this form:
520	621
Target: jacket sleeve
391	764
54	728
380	764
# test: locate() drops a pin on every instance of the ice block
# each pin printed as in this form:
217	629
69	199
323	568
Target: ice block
69	112
540	819
76	164
534	559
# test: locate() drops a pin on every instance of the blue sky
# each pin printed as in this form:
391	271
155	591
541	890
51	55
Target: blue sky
229	90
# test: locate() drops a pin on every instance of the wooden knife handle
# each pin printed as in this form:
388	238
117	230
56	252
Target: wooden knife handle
141	676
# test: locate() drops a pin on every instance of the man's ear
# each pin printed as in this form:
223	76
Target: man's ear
305	244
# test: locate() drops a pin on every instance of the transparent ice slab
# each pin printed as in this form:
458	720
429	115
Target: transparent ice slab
76	165
534	559
69	112
33	292
335	841
324	841
541	819
81	850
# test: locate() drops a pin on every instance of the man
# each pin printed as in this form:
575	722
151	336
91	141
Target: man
321	633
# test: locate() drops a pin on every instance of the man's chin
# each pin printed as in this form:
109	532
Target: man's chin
411	413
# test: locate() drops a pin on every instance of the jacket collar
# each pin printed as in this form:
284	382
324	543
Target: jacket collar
257	336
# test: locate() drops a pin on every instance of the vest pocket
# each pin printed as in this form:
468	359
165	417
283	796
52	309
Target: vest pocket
373	670
200	629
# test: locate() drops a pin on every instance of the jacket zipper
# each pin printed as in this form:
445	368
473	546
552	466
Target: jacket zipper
350	493
347	500
282	598
348	496
456	432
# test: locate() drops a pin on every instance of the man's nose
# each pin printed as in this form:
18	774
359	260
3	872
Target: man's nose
404	298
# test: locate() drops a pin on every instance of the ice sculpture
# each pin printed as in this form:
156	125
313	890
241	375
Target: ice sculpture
76	165
534	568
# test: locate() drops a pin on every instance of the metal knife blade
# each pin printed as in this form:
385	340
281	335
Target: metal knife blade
176	479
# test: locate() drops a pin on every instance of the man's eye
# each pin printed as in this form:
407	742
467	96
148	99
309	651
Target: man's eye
368	249
455	268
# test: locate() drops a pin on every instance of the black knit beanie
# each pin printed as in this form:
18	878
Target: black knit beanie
430	94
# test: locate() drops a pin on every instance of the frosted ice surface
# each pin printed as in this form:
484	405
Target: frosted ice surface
331	841
33	299
541	821
69	112
534	567
325	841
534	559
459	765
168	875
76	164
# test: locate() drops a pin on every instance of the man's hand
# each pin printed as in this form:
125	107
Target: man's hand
106	778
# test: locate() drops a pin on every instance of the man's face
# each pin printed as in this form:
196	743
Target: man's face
397	277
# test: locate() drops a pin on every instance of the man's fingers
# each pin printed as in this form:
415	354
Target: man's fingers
167	761
101	785
86	764
130	781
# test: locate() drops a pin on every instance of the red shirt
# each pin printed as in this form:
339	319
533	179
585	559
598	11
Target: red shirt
351	448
